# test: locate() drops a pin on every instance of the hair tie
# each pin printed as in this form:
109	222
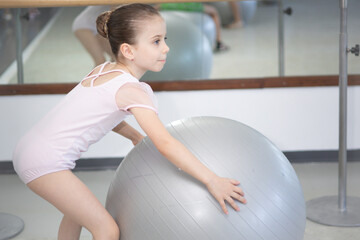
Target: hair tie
106	30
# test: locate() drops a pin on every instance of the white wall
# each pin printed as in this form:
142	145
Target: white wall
294	119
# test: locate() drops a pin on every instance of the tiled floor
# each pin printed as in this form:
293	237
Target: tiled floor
42	220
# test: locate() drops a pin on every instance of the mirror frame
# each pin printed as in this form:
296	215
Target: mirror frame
218	84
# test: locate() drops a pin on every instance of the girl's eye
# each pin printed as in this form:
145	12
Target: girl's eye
157	42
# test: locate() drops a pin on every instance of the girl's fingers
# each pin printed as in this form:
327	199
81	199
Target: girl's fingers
223	206
236	189
239	191
235	182
232	203
227	190
238	197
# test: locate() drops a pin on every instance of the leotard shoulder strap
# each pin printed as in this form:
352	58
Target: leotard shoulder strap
100	73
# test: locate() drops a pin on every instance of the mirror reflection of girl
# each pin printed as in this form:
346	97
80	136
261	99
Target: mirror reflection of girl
84	28
45	156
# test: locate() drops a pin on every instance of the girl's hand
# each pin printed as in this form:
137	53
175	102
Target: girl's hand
138	139
129	132
224	189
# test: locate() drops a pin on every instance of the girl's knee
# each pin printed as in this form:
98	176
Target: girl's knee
108	231
114	231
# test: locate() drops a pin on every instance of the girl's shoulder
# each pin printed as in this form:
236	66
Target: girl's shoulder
105	73
136	94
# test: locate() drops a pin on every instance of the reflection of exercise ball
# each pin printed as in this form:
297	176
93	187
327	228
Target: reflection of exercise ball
190	55
202	21
247	10
151	199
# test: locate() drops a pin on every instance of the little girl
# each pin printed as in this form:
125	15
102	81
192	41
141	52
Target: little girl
45	156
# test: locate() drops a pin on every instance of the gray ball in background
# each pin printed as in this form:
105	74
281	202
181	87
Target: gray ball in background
190	55
247	11
203	21
151	199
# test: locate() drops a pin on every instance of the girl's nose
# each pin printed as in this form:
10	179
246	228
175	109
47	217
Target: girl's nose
166	48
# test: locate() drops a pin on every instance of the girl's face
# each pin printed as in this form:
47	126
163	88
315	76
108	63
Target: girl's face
151	49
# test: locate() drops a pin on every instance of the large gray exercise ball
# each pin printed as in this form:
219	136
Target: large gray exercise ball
151	199
190	55
203	21
247	11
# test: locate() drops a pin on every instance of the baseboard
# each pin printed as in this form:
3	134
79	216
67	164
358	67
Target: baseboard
83	164
93	164
321	156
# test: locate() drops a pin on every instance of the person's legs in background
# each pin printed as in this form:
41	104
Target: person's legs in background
213	13
235	10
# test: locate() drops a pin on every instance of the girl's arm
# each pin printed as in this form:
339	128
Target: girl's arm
222	189
129	132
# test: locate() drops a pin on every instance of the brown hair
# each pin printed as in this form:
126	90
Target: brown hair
122	24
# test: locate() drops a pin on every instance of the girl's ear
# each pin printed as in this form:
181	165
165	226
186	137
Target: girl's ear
127	51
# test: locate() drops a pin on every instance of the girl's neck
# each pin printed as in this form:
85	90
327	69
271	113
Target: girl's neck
128	68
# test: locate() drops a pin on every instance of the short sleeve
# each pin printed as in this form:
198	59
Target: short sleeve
136	94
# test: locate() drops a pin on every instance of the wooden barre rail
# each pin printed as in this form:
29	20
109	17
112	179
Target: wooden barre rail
73	3
251	83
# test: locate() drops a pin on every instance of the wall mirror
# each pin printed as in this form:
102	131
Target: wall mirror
309	45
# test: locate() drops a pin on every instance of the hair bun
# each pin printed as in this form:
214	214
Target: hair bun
101	23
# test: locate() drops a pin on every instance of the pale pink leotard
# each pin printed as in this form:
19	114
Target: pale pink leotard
83	117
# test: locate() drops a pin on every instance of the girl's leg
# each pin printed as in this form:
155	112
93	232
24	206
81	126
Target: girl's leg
91	44
105	45
69	230
68	194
